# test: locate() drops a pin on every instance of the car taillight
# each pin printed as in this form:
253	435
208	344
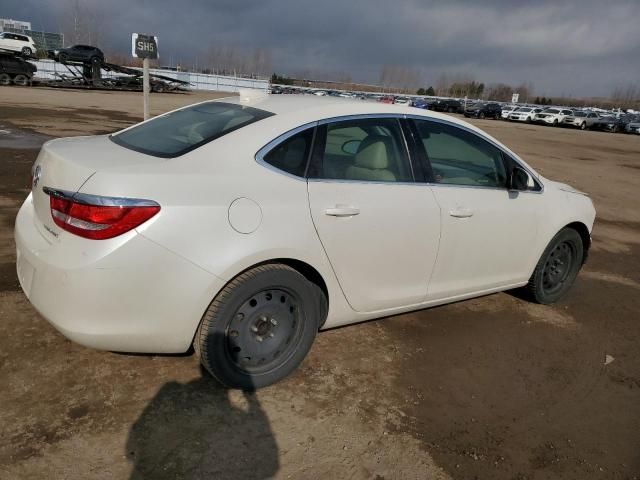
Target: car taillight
96	217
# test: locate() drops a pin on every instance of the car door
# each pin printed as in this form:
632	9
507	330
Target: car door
10	43
487	231
379	228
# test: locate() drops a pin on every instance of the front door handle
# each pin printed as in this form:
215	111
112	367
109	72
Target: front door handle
342	211
460	212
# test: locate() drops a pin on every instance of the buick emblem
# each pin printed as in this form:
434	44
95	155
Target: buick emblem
36	175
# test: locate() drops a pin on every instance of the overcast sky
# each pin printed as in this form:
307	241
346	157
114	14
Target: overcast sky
576	48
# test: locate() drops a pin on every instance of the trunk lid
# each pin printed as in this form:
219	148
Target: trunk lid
67	163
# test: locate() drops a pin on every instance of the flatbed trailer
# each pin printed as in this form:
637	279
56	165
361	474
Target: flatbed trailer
89	76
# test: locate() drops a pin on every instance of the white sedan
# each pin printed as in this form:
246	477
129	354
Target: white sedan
525	114
242	226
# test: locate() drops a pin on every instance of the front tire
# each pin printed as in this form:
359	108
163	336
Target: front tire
557	268
5	79
260	326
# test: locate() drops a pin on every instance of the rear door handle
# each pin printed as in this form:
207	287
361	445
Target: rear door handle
460	212
342	211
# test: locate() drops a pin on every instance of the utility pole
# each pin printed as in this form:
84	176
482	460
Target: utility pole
145	87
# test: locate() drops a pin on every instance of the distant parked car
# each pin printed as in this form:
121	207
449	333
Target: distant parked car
16	42
633	126
420	103
525	114
78	53
553	116
320	93
508	110
447	105
16	70
581	120
401	101
387	99
611	123
484	110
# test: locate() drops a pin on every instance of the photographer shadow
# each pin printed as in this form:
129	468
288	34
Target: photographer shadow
192	431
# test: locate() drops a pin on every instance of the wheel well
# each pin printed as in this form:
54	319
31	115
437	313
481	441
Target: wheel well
583	231
309	272
306	270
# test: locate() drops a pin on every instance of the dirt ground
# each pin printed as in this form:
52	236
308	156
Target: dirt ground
492	388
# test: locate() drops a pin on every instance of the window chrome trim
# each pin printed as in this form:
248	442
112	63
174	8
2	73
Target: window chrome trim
260	154
98	200
512	155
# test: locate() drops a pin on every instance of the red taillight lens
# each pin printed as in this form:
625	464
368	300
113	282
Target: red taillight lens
98	222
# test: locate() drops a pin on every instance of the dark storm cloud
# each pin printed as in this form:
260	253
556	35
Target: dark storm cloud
570	47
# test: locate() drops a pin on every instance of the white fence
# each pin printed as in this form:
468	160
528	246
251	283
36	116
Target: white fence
50	70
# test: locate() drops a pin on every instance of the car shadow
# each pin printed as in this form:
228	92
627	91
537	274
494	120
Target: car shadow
201	429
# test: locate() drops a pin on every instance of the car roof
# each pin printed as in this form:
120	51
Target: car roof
292	111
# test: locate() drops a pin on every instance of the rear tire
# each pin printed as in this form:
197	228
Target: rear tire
260	326
63	57
21	80
557	268
26	51
481	115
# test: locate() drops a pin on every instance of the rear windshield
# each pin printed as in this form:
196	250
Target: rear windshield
181	131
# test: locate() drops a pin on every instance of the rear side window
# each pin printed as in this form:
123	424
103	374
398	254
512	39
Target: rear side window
365	150
291	155
459	157
184	130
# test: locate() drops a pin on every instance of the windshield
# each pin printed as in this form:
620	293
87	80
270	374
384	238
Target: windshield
525	109
551	110
580	114
181	131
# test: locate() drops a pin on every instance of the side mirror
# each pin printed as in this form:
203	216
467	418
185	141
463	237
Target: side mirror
520	180
351	147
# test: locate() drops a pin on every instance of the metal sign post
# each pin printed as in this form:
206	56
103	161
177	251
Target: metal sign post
145	47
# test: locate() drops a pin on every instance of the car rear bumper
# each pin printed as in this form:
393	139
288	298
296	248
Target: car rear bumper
139	297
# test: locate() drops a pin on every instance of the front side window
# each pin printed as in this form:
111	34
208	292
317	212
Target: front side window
368	150
181	131
291	155
459	157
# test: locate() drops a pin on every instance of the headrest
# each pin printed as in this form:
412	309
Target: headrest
373	152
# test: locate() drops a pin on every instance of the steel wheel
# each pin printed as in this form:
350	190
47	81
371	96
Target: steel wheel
264	331
557	267
260	326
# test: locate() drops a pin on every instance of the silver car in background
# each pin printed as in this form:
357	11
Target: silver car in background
581	120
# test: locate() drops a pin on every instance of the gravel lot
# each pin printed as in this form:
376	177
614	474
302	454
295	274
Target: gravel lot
492	388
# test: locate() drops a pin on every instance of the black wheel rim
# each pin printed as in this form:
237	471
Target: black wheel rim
557	267
264	331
